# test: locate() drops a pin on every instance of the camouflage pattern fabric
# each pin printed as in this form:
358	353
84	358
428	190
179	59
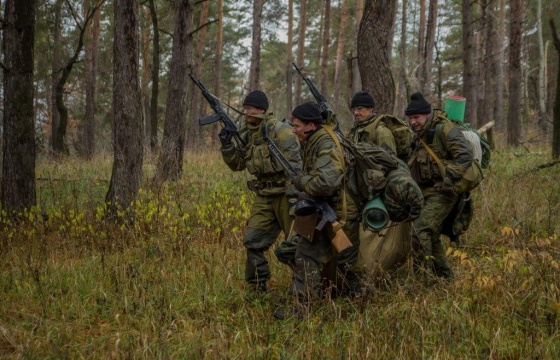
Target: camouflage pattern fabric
373	132
270	209
402	196
428	249
323	174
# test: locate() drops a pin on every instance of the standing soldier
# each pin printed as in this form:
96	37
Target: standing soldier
270	209
322	176
439	197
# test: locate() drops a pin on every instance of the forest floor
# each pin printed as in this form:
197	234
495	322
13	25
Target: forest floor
170	284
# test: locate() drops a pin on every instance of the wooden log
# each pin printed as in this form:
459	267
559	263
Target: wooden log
489	125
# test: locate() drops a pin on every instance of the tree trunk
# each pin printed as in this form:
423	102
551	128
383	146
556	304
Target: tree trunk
255	69
421	42
60	146
91	51
469	76
542	64
340	53
145	74
170	164
428	54
155	78
325	48
289	60
301	47
193	136
500	60
218	64
515	73
402	85
18	147
128	122
374	52
556	110
56	69
356	76
487	73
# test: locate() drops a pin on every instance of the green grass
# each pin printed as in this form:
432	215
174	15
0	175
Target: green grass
171	285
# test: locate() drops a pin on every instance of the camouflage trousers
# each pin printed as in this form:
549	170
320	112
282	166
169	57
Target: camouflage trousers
316	264
428	249
269	216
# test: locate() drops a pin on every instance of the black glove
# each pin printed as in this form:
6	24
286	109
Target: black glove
446	190
225	136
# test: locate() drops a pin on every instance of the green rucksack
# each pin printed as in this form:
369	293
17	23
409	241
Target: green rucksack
401	132
481	148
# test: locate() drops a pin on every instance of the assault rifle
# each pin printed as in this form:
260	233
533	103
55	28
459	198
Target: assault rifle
220	114
340	241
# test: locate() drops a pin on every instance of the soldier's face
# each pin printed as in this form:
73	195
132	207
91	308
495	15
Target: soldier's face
361	113
418	121
251	110
299	128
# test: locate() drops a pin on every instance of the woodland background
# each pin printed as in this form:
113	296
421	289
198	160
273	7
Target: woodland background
121	227
112	76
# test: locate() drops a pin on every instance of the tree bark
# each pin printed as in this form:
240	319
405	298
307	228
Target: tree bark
469	75
340	53
170	164
515	74
325	48
60	146
374	52
500	60
18	146
145	74
154	121
556	110
301	47
542	64
428	53
55	69
128	122
218	63
255	69
193	136
403	86
289	60
91	53
421	42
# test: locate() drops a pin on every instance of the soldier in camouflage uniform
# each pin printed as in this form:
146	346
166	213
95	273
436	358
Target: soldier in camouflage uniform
439	197
322	176
367	127
270	209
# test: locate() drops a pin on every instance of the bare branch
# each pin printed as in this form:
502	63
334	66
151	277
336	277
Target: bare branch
203	26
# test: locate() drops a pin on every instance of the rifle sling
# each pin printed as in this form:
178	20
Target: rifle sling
440	165
343	191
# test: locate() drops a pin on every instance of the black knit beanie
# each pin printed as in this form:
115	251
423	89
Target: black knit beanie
362	98
418	105
257	99
308	112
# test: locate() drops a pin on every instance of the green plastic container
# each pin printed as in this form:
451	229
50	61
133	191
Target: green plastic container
455	107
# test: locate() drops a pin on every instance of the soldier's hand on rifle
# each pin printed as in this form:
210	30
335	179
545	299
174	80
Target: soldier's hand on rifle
225	136
298	182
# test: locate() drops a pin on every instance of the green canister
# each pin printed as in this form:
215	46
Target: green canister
455	107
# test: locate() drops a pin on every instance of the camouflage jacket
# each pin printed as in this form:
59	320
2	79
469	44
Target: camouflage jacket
373	132
453	149
270	178
323	169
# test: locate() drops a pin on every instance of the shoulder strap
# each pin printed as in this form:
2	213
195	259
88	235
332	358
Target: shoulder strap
440	165
339	147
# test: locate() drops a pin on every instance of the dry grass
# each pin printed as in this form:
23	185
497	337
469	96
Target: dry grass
171	285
